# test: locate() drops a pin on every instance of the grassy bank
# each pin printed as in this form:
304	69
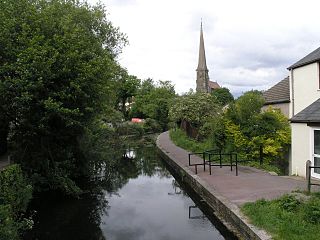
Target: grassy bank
180	139
290	217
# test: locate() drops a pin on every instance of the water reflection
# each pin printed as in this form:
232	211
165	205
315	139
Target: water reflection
138	200
196	214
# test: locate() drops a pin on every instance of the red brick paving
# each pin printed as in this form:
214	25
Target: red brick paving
250	185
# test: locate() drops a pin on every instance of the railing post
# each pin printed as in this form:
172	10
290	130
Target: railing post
204	161
308	174
261	154
189	160
236	164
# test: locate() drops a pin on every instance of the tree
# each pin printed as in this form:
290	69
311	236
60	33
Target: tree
127	88
195	108
223	96
153	101
247	128
57	75
245	107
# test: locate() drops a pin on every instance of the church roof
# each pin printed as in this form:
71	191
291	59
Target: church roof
213	85
202	64
310	114
310	58
279	93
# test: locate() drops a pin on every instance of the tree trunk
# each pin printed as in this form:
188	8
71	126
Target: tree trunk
4	129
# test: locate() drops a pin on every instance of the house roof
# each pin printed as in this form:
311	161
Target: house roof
213	85
279	93
310	114
310	58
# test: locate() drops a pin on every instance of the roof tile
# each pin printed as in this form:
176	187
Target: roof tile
279	93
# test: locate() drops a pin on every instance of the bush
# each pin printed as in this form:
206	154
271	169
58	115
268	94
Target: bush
151	126
312	211
14	189
289	203
15	194
135	129
8	227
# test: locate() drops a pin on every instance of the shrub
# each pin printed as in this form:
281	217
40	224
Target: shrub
151	125
14	189
135	129
15	194
312	211
289	203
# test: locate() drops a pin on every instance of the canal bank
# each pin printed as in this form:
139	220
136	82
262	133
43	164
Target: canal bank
225	192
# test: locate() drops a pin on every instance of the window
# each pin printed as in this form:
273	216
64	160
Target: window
319	73
316	152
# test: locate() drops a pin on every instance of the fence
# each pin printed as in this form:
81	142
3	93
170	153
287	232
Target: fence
308	170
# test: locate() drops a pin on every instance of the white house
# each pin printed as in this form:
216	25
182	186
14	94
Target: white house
304	111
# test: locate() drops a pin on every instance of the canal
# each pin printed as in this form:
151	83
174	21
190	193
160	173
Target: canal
142	201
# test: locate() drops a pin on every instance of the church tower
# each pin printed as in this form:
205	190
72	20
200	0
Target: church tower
203	82
202	70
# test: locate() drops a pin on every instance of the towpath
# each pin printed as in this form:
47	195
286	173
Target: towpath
250	185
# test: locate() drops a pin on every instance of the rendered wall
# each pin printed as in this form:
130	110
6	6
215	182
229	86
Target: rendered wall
284	108
300	148
305	86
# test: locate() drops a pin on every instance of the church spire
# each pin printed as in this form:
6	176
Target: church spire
202	70
202	64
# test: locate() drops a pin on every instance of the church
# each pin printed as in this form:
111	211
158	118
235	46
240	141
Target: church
203	82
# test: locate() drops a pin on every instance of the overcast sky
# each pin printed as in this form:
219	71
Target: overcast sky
249	43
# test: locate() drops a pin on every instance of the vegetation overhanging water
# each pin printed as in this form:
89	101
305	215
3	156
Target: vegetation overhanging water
142	201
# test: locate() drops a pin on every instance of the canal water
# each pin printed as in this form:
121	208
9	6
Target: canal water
143	201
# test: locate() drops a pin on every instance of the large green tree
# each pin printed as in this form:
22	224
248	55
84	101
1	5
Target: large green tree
153	101
127	88
197	109
57	74
223	95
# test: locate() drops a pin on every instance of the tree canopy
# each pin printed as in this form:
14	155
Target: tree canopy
58	69
153	100
195	108
223	95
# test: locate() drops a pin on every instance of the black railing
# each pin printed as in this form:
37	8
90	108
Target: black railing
247	151
309	167
197	164
233	159
220	156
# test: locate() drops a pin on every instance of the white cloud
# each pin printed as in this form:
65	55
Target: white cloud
248	43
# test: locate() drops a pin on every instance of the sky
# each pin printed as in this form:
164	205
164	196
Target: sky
249	43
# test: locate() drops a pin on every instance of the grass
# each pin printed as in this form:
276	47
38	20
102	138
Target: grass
180	139
287	218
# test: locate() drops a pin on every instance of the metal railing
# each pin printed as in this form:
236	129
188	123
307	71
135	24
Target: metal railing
220	156
309	167
197	164
233	158
253	160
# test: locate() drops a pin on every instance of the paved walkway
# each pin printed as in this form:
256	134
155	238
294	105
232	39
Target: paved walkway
250	185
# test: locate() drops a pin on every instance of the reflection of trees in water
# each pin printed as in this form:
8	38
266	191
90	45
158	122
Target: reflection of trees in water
146	163
66	219
81	218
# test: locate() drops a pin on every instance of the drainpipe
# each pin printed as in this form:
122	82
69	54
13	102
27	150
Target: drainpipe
292	90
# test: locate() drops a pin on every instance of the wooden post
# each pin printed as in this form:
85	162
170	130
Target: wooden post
308	174
261	154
